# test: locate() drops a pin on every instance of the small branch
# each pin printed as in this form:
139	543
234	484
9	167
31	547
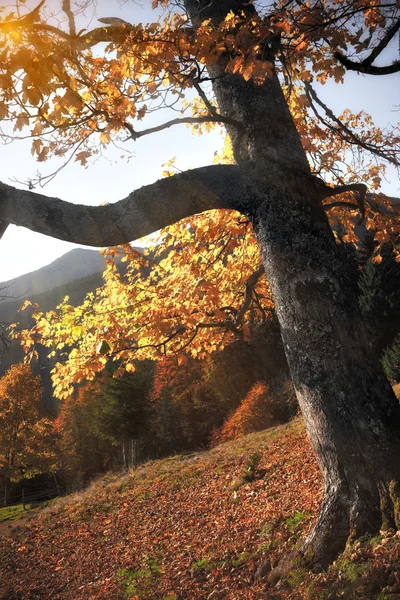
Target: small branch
66	6
216	118
248	292
359	190
340	204
212	109
342	130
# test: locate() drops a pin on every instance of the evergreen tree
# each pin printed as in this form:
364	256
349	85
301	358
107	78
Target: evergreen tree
379	297
391	361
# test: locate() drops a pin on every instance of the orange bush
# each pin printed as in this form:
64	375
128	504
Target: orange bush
259	409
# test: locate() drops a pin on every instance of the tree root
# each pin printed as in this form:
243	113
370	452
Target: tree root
344	517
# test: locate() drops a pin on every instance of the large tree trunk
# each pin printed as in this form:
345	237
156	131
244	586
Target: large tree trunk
350	411
351	414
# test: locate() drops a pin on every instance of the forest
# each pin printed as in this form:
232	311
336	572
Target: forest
252	337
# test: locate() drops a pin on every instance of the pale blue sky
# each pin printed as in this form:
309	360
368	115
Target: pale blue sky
110	180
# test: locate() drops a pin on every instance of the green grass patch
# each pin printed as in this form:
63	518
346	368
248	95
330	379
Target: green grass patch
295	523
140	582
243	556
204	564
16	512
11	513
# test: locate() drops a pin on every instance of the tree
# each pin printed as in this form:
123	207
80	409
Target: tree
26	435
379	287
391	360
290	151
100	424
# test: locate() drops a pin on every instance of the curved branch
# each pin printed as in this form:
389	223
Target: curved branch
144	211
358	189
342	130
248	293
351	65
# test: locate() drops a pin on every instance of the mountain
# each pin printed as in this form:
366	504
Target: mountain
75	264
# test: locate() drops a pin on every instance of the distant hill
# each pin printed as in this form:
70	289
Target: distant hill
76	264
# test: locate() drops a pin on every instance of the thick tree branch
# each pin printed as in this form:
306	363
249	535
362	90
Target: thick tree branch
375	52
359	190
144	211
362	196
352	65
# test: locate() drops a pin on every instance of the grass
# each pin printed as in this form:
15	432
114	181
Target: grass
17	511
11	513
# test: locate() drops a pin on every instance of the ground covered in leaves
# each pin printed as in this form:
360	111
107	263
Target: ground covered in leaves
193	527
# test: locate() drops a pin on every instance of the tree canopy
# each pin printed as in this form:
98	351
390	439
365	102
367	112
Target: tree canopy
95	86
26	434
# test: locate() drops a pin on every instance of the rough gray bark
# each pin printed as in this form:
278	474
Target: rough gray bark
351	414
349	409
144	211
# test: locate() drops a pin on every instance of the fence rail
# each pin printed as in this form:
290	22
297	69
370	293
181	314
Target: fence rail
35	497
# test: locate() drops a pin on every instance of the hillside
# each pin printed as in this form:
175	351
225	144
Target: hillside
190	528
73	265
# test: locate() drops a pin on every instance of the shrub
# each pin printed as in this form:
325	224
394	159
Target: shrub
259	409
391	361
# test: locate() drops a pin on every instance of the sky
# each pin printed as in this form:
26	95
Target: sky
113	178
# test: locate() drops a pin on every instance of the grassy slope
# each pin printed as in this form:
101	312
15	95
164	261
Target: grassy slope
180	529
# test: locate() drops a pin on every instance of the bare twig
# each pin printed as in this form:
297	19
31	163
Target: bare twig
216	118
248	293
342	130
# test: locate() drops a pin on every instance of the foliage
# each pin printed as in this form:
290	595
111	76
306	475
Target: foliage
379	301
81	100
26	434
258	410
88	96
379	294
176	300
159	409
98	422
191	400
391	361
